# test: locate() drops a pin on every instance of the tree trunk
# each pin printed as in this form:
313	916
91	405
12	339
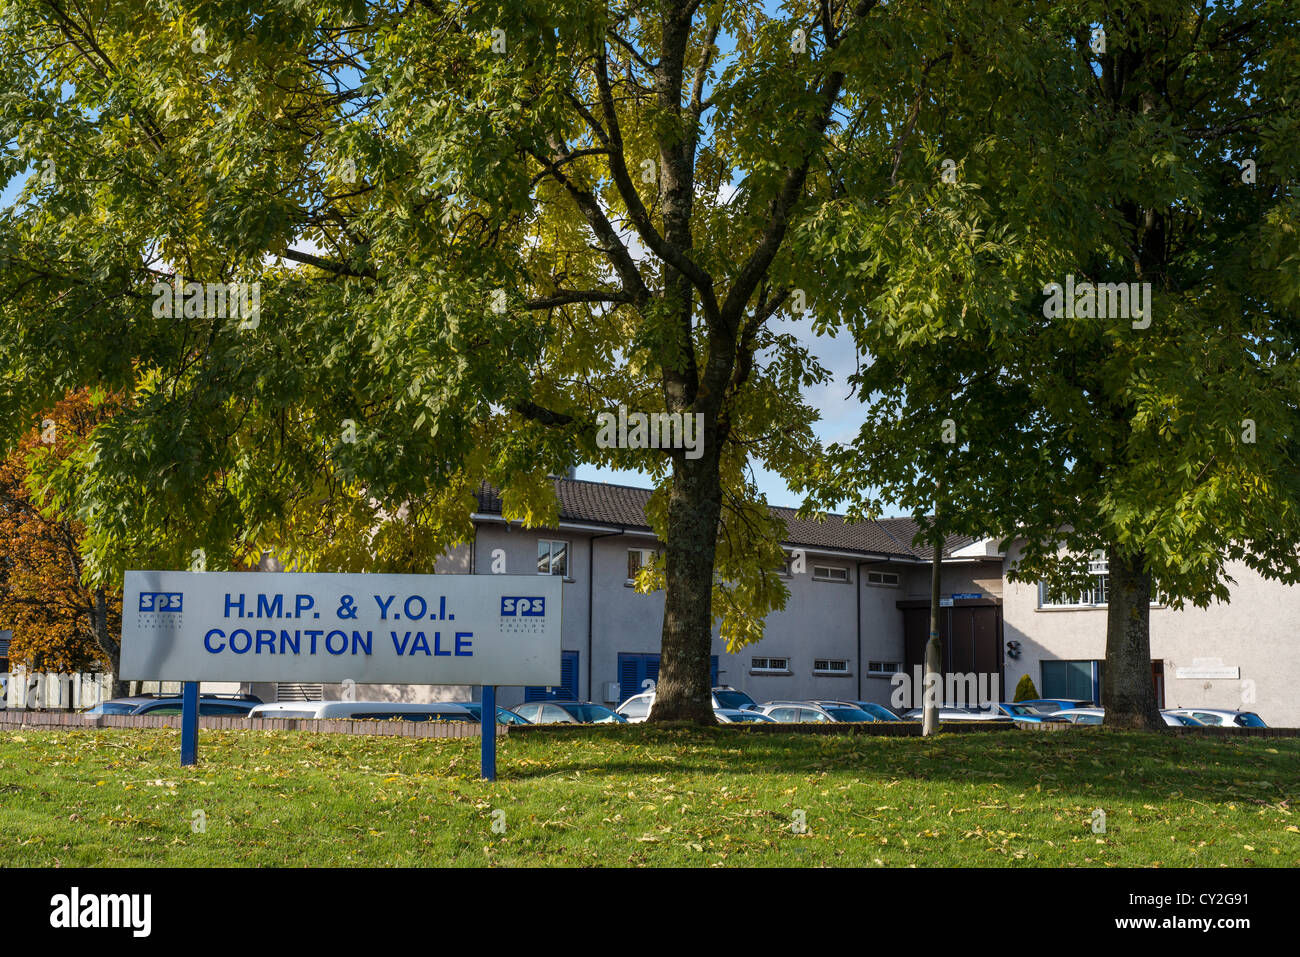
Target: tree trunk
933	683
694	509
111	648
1129	694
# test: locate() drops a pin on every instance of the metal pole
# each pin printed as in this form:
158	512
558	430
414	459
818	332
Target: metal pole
489	733
189	723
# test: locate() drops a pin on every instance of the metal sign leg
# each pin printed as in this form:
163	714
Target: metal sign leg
189	723
489	733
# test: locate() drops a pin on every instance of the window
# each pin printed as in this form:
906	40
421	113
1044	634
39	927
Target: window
1072	680
884	667
1095	596
553	558
830	573
637	559
830	666
772	666
882	578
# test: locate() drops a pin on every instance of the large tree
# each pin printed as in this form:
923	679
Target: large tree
1146	142
476	226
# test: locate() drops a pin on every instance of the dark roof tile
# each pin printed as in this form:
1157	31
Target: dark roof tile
624	506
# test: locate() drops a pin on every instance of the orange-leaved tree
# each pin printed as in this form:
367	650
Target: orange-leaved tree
59	624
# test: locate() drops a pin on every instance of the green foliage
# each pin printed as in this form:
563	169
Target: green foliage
1178	442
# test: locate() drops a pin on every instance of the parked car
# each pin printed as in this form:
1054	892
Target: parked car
1222	717
504	715
1080	715
365	710
160	705
877	711
741	716
727	697
568	712
817	712
1019	711
1053	705
637	708
955	713
1097	715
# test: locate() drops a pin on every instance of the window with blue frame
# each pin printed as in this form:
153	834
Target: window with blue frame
566	690
635	669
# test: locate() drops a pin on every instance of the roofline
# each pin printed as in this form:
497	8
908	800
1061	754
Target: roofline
815	549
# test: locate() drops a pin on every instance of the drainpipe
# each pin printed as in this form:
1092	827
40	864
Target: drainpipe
858	585
591	591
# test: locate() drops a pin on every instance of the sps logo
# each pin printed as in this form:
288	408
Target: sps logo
523	616
526	607
161	600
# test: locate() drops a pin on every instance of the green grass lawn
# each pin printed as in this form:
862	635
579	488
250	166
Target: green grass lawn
635	795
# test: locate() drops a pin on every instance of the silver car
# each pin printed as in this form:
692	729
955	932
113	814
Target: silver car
1098	715
804	712
1221	717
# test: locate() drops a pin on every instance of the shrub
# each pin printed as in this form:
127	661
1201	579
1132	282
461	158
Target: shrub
1025	690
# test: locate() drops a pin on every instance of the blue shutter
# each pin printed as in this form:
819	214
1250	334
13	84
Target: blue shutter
567	690
635	669
629	676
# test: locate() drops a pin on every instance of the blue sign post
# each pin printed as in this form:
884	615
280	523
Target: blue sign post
189	723
488	749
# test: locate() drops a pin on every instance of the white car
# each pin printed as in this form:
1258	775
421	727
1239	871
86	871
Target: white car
364	710
637	708
741	716
1097	715
949	713
1221	717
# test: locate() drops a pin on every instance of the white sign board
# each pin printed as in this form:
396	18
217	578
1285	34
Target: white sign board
385	629
1209	673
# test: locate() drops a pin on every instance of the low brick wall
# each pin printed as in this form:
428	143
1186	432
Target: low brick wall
37	720
883	729
912	729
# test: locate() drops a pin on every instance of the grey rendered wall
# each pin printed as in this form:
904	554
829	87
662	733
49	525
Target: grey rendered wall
1257	632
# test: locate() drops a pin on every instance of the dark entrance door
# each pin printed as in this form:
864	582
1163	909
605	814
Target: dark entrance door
970	633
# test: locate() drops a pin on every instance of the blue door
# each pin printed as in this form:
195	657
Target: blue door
635	669
567	690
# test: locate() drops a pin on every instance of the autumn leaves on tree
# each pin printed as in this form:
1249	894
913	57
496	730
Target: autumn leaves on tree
60	624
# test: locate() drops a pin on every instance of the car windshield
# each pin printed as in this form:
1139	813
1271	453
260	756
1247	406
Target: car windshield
741	716
1248	719
849	714
590	713
880	712
111	707
732	699
1020	709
